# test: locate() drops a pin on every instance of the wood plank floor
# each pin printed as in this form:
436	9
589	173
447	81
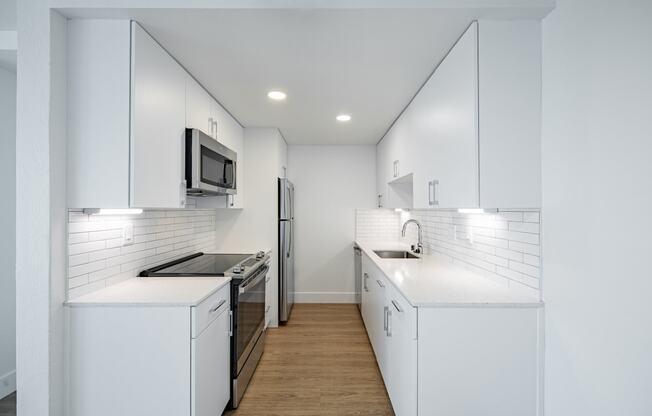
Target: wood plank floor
320	363
8	405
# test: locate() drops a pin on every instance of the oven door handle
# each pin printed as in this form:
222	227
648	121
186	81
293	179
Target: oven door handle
254	281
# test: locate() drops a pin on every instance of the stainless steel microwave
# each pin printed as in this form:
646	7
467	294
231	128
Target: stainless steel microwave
210	166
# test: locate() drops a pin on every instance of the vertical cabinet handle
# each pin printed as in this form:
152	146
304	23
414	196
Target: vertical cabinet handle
364	282
230	323
215	125
385	313
396	171
389	322
210	126
380	200
432	192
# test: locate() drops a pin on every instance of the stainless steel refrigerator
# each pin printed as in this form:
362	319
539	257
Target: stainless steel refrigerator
286	249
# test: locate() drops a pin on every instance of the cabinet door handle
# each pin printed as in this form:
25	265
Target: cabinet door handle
398	308
385	313
389	322
218	306
380	200
364	282
230	323
380	283
215	124
210	126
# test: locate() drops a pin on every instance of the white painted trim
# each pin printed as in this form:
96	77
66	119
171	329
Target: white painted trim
324	297
7	384
8	40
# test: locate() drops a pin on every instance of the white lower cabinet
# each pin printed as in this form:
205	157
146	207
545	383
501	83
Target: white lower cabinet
401	358
391	325
134	360
466	361
211	368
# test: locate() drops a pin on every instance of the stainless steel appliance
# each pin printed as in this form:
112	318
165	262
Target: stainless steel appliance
357	262
210	167
286	249
248	274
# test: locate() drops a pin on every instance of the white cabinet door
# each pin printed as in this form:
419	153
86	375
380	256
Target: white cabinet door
401	373
379	309
373	308
366	302
198	107
158	125
210	389
446	130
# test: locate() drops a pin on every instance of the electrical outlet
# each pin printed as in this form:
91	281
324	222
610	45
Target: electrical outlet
128	234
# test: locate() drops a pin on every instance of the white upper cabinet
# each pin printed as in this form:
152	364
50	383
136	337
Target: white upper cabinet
444	129
98	113
129	103
198	108
126	118
471	136
157	125
510	113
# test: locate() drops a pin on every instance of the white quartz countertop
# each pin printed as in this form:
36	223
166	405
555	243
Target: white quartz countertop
432	281
154	291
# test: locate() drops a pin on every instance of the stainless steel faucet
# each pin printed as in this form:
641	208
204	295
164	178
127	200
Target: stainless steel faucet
419	248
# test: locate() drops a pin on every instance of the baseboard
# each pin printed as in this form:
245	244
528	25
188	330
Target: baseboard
324	297
7	384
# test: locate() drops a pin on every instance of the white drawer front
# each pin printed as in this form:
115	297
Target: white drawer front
206	312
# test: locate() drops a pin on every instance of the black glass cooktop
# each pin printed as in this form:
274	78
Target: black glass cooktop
204	264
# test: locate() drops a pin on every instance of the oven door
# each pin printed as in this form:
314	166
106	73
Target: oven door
250	314
210	166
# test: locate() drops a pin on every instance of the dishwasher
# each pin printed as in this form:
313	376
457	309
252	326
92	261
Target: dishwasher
357	261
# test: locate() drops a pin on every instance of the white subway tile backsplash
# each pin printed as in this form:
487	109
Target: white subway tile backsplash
97	257
502	246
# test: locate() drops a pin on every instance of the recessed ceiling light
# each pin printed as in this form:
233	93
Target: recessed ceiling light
343	117
277	95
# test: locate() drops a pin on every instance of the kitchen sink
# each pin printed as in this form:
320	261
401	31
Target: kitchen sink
395	254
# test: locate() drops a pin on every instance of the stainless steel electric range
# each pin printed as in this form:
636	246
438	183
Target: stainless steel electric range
248	274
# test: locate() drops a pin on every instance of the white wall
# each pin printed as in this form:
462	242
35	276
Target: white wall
8	232
597	188
330	182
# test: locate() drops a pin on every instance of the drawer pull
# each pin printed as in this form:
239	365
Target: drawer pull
218	306
398	308
380	283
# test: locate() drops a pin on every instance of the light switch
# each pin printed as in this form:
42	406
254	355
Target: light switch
128	234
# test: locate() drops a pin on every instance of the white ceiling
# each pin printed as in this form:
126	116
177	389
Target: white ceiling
368	63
